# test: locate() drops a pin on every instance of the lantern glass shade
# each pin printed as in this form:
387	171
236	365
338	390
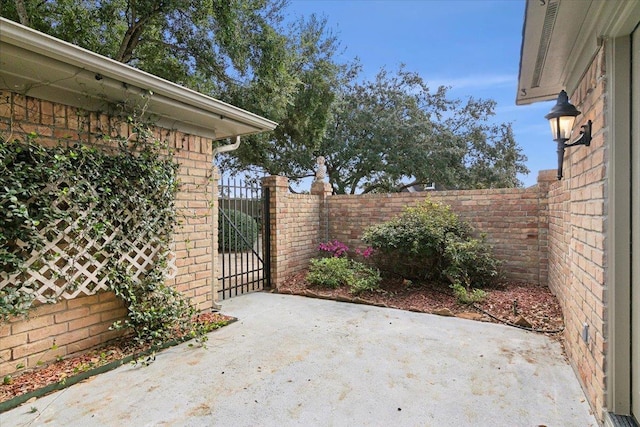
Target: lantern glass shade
561	127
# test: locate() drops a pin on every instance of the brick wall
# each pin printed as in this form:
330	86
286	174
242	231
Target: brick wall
193	238
82	323
295	228
514	220
57	330
577	217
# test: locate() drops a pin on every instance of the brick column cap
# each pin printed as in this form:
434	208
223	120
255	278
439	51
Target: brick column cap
321	188
548	175
275	181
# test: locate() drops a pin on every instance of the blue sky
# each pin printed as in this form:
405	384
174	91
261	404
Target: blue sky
471	45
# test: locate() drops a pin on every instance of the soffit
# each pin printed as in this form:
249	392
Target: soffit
560	39
41	66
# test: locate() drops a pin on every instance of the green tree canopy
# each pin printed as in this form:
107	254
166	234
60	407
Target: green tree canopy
236	50
391	132
207	44
291	148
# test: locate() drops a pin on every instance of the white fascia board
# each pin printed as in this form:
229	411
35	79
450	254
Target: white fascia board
574	40
43	66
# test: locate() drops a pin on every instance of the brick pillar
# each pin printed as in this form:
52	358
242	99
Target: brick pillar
193	205
278	188
545	178
324	190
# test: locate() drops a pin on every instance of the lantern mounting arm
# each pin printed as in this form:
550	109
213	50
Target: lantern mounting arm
585	136
585	139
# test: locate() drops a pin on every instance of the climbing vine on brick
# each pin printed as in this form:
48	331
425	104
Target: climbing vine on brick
125	191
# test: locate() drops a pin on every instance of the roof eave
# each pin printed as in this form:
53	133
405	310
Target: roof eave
39	65
560	39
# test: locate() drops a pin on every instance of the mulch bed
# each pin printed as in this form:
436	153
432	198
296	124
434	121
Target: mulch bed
531	306
61	371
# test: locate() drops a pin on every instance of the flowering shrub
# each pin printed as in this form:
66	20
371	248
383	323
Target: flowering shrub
365	253
336	248
337	270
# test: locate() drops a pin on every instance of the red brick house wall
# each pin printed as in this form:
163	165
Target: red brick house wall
577	220
69	326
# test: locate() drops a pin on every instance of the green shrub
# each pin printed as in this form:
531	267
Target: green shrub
237	231
430	242
412	244
156	311
465	297
335	272
363	279
329	272
469	261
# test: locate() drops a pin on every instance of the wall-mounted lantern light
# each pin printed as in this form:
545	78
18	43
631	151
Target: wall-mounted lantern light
561	118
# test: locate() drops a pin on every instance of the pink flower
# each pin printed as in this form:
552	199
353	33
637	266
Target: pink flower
336	248
365	253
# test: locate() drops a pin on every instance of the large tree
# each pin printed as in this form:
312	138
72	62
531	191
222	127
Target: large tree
392	132
291	149
236	50
211	43
377	135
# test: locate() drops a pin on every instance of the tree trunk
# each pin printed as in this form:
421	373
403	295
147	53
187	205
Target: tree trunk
130	42
22	13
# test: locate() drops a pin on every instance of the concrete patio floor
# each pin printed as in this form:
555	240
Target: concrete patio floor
295	361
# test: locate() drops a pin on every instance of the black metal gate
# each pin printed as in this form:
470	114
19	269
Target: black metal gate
243	238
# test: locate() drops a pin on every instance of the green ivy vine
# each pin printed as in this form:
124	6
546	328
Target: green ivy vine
136	178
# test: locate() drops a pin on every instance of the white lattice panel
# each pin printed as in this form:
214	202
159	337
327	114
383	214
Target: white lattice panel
73	263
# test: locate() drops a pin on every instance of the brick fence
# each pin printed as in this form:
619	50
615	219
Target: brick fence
296	227
515	221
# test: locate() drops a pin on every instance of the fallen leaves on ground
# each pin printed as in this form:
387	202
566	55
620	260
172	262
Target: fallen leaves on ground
56	372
